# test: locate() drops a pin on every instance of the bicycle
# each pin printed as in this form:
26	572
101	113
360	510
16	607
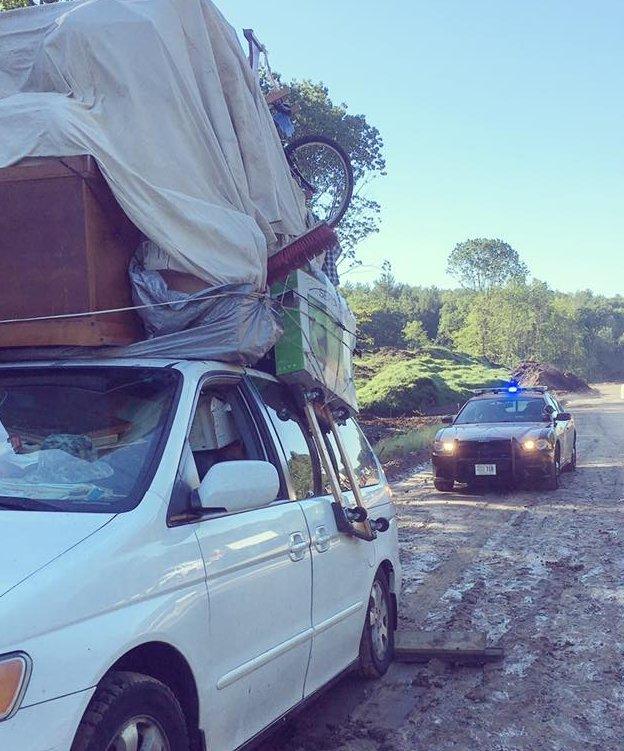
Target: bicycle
319	165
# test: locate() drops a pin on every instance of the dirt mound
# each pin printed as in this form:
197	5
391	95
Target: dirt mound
532	373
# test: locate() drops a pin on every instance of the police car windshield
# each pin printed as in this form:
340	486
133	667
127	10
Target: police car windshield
502	409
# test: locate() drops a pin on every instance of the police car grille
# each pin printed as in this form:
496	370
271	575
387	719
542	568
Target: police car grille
496	449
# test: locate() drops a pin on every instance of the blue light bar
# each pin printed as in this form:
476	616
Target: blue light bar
513	389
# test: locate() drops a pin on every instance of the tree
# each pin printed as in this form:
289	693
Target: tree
580	332
453	314
12	4
415	335
481	264
423	304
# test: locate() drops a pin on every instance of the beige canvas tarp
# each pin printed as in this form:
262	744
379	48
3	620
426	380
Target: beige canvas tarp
161	94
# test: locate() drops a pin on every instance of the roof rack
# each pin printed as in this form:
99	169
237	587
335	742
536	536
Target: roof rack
507	390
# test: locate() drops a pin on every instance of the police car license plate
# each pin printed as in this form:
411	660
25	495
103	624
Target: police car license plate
485	469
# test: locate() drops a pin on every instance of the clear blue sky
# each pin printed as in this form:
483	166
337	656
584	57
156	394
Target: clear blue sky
500	119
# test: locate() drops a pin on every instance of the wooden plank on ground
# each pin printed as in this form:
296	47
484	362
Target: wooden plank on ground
458	647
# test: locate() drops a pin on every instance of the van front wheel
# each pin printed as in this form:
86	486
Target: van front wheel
132	711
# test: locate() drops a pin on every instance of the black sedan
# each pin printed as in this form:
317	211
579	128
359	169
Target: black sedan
508	435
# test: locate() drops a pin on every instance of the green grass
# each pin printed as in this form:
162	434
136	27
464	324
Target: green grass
398	446
397	382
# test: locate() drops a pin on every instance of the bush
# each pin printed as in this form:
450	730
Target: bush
400	446
403	383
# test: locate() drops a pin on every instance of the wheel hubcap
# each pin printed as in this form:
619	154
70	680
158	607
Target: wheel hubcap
379	621
140	734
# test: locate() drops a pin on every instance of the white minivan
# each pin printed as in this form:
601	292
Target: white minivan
173	574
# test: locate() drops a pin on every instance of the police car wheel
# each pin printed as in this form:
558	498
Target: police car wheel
552	483
444	486
572	465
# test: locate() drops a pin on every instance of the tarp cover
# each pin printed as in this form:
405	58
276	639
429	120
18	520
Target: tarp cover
161	94
230	323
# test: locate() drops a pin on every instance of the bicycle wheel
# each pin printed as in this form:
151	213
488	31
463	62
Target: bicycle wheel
324	173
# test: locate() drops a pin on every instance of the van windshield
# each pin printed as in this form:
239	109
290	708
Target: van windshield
81	439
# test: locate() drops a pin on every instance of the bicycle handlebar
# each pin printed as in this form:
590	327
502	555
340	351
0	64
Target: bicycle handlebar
256	49
253	40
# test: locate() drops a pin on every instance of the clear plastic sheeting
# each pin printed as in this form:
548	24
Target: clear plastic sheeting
231	323
162	95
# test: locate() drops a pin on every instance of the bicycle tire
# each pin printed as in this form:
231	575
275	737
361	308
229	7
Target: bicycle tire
290	151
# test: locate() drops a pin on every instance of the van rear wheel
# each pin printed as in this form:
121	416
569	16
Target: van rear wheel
377	642
132	712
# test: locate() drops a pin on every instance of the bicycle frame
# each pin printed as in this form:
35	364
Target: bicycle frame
256	51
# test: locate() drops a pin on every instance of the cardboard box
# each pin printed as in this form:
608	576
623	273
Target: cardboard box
316	349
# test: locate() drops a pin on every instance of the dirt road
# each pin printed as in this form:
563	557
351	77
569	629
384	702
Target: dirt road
543	575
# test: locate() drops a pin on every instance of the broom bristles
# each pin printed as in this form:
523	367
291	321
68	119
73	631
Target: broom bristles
304	248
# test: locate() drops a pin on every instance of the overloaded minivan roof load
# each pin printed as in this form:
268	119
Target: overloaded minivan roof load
154	108
162	95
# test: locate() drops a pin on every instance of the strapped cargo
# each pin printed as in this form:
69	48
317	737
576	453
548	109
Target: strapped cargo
153	104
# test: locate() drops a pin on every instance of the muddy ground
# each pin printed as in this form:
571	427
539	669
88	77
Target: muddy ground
543	575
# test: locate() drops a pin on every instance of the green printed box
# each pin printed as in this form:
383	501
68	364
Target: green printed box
316	349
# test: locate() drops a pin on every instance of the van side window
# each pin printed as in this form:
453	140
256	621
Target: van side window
303	464
359	452
222	430
215	435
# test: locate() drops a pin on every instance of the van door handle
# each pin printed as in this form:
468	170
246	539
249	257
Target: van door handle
298	546
321	539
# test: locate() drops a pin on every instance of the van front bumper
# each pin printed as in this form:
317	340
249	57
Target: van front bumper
49	726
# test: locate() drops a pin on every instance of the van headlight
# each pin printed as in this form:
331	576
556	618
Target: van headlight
15	671
535	444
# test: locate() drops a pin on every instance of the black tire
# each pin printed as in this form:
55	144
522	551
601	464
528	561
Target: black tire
120	698
376	654
291	155
444	486
571	466
552	482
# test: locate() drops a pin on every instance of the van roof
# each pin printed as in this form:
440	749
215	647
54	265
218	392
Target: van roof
185	366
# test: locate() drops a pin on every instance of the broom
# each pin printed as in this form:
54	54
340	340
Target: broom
304	248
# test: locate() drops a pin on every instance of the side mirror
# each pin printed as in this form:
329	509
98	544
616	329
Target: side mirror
563	416
239	486
447	419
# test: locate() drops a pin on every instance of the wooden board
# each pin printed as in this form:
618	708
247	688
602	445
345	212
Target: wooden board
458	647
65	245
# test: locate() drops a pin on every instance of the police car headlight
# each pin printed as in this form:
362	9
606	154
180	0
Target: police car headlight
535	444
14	674
444	447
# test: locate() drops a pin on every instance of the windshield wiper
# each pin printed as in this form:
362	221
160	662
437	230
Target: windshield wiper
28	504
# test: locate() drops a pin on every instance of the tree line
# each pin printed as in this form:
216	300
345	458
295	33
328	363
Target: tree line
497	312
